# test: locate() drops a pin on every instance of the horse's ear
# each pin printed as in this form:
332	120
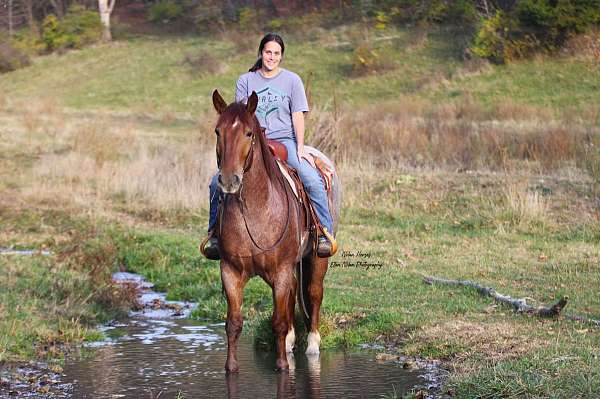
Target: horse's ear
252	103
218	102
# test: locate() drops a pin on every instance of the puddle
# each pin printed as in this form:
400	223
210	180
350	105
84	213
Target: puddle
160	353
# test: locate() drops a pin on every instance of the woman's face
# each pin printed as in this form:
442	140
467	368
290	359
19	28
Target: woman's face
271	56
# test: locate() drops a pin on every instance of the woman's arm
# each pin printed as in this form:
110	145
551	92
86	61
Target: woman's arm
298	122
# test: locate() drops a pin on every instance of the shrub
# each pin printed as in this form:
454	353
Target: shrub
28	42
11	58
531	26
490	38
209	18
79	27
586	46
367	59
382	20
275	24
165	12
246	18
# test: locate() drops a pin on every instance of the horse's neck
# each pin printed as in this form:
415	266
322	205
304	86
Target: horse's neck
266	188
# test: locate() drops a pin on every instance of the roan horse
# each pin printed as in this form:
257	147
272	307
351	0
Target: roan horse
262	230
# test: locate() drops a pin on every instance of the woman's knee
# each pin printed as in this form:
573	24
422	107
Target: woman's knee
214	181
311	178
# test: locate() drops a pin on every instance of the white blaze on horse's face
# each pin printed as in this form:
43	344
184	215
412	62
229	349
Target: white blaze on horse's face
271	56
235	137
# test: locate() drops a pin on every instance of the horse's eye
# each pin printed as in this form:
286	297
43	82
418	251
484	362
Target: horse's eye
249	134
217	132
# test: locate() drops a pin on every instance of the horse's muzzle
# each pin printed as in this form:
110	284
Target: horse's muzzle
229	184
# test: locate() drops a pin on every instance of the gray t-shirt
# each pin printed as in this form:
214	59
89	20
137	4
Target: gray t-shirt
278	97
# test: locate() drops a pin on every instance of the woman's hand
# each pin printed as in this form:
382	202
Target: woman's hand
302	154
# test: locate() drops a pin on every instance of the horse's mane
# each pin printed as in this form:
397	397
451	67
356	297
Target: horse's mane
238	110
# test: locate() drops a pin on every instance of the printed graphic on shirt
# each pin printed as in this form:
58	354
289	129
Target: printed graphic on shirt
269	100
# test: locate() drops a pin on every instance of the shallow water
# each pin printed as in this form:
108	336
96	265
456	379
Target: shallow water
24	252
153	355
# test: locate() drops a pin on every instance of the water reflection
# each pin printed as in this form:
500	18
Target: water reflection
180	357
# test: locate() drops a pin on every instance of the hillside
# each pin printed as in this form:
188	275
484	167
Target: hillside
178	74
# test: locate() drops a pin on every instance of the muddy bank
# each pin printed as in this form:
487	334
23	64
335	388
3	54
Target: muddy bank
36	380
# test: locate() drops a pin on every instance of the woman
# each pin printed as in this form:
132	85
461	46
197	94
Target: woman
281	107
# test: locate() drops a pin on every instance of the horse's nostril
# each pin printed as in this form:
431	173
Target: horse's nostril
220	179
236	180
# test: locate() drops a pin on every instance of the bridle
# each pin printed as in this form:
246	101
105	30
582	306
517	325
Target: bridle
247	165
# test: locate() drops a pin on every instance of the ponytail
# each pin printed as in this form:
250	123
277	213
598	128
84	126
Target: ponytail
257	65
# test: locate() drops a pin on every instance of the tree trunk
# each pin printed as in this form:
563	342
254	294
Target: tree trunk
30	18
10	18
58	7
105	10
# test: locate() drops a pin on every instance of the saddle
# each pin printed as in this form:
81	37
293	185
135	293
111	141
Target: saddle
326	171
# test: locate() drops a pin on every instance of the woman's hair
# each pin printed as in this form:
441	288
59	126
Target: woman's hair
269	37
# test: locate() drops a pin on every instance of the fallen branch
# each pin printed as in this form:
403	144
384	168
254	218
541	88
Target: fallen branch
519	304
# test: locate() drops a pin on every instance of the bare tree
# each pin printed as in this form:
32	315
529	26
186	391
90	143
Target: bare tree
28	4
106	8
10	17
58	6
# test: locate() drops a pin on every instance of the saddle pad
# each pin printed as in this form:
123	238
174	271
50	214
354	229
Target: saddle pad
288	178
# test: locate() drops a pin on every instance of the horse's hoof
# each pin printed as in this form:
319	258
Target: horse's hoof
314	340
312	350
281	365
234	368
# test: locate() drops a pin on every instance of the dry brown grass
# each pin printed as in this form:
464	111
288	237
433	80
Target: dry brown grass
100	164
525	206
461	135
472	67
492	340
3	102
586	46
95	163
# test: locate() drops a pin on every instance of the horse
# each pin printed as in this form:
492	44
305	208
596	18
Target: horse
263	230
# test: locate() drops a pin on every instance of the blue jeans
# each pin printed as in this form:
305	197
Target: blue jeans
312	180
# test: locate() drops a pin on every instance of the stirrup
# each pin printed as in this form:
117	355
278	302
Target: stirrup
212	252
327	252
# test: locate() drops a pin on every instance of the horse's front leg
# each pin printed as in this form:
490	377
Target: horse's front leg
318	268
290	338
282	288
233	283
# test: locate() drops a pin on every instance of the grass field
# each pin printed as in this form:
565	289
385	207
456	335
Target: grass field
450	168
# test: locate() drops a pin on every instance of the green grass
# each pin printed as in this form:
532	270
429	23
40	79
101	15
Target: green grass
116	77
46	308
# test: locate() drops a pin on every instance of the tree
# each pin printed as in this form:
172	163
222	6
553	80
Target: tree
59	8
10	17
106	8
28	4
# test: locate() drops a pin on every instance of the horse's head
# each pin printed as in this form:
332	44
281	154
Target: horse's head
236	130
